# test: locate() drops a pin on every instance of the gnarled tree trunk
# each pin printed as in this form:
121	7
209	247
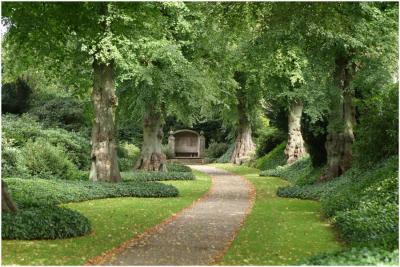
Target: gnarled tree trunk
341	122
244	145
104	150
152	157
7	203
295	146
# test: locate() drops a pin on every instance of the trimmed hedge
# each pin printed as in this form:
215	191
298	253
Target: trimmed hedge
42	192
44	223
356	256
176	167
157	176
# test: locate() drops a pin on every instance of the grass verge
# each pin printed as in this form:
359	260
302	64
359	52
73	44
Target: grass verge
114	221
278	231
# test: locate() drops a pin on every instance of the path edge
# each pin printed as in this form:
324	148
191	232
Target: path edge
109	254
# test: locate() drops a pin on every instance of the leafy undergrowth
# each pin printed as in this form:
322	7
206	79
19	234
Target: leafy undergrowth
278	231
157	176
356	256
42	192
44	223
114	221
273	159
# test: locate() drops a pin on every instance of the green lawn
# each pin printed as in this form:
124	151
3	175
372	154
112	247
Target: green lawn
278	231
113	221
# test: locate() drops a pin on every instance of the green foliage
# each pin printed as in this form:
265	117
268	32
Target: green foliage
44	223
378	127
311	191
216	150
268	139
167	151
158	176
177	167
62	112
41	192
20	130
47	161
356	256
15	97
127	156
363	203
297	171
226	157
273	159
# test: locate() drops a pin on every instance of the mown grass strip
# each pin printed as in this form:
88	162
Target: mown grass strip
278	231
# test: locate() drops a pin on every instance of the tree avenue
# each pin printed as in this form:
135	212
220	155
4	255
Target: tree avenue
104	101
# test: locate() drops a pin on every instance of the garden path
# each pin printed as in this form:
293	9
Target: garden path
200	234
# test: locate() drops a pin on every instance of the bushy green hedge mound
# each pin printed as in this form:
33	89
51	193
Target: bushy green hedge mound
356	256
273	159
157	176
178	167
49	222
40	192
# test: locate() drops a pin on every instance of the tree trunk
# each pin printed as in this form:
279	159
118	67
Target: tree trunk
104	150
244	145
152	157
295	146
341	122
7	203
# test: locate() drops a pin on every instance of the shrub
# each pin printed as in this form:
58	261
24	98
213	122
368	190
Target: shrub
273	159
167	151
158	176
356	256
293	172
311	191
226	157
44	223
47	161
177	167
377	133
63	112
42	192
268	139
127	156
12	160
24	128
216	150
15	97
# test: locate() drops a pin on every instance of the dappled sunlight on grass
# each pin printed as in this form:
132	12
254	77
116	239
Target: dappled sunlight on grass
114	221
278	231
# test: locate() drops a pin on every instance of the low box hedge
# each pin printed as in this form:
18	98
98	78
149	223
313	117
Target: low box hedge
49	222
39	192
143	176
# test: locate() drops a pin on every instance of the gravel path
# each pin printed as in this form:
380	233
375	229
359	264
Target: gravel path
199	235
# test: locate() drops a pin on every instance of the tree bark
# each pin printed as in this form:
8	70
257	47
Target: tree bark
295	146
104	150
341	122
244	145
7	203
152	157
